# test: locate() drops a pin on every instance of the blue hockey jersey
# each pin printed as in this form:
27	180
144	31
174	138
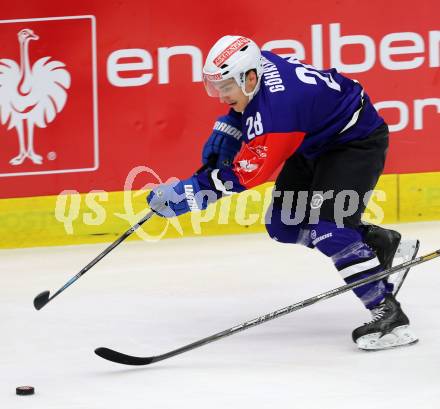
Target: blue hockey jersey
297	109
328	107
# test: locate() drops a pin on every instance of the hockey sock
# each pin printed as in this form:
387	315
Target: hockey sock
352	258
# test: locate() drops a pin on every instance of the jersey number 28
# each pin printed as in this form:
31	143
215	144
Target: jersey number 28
254	126
308	74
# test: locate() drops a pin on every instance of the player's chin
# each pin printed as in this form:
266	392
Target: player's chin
234	106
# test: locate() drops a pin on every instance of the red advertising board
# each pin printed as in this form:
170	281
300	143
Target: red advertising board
89	89
48	97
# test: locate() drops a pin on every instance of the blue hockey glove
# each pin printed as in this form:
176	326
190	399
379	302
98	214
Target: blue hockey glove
224	142
176	198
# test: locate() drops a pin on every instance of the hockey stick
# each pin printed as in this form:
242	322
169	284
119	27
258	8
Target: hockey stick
120	358
43	298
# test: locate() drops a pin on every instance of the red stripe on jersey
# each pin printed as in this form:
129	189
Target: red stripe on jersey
258	159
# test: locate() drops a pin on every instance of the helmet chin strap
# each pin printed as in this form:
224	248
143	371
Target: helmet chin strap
254	91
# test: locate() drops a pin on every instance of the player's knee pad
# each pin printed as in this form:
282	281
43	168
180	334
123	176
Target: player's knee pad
352	257
279	230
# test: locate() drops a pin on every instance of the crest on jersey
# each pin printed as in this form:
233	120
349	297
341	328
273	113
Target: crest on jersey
247	166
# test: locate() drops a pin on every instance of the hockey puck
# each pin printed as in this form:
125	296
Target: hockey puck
25	390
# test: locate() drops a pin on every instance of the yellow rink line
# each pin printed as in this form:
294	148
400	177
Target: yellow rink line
100	217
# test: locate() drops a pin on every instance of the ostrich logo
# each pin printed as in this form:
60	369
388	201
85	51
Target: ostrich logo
31	96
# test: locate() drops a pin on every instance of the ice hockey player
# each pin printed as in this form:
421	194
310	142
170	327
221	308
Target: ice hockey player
333	144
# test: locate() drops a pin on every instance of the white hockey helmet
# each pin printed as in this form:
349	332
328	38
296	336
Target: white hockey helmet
232	57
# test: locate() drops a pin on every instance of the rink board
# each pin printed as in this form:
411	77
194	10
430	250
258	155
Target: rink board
82	218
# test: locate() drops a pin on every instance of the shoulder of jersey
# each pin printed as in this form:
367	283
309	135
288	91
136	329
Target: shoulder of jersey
282	80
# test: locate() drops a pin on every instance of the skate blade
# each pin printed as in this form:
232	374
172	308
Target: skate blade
400	336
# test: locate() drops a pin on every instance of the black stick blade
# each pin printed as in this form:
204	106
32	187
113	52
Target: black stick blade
115	356
41	300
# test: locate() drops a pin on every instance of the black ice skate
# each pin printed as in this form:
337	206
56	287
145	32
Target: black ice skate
388	246
389	327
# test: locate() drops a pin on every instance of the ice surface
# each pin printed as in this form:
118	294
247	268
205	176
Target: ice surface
148	298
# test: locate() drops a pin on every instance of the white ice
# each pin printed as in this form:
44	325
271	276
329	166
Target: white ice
148	298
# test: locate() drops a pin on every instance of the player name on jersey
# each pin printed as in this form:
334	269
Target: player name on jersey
271	76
